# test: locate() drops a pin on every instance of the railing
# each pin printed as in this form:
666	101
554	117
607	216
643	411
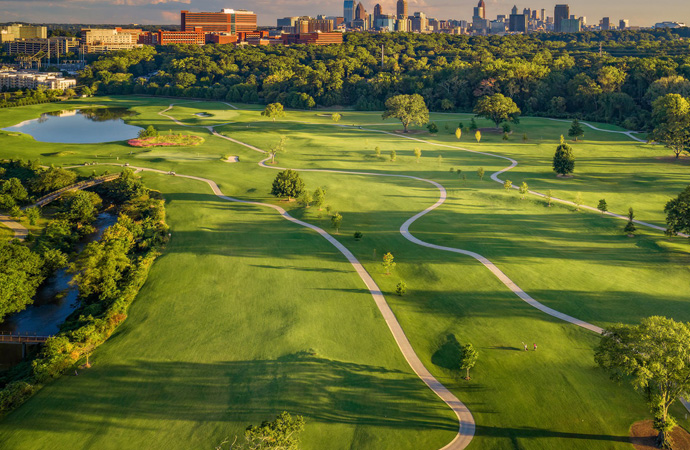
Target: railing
8	337
81	185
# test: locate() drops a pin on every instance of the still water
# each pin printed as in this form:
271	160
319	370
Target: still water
80	126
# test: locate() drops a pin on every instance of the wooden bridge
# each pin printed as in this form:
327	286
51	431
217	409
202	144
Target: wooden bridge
25	339
74	187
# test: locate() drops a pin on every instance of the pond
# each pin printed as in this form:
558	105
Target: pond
80	126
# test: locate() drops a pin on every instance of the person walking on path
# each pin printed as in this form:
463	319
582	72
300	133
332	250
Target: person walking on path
525	345
535	346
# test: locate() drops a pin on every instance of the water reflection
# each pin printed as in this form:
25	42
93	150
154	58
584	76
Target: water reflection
80	126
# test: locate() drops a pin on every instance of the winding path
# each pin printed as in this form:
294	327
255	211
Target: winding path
466	421
19	230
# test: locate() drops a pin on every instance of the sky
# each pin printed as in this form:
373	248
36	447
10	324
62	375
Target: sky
639	12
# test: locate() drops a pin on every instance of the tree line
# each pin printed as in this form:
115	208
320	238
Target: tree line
545	74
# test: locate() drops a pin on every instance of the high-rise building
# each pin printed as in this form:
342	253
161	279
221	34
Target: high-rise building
623	24
560	12
378	11
514	10
9	33
518	23
401	9
226	21
360	12
348	11
605	23
287	22
105	40
419	22
480	10
571	25
52	47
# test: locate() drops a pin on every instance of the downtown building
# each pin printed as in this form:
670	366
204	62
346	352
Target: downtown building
96	40
226	21
31	80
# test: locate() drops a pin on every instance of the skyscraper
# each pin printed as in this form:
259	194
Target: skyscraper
360	12
378	12
348	11
605	23
402	9
480	10
559	13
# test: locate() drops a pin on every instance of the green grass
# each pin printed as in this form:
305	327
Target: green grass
246	315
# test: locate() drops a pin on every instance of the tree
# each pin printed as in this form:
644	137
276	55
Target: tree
671	118
576	130
278	148
80	206
287	184
578	200
563	159
468	359
14	190
358	235
377	151
461	126
524	137
478	136
506	128
281	434
458	133
417	153
306	198
33	214
432	127
678	214
273	110
20	276
480	173
150	131
401	288
507	184
409	109
602	206
52	179
319	197
335	117
630	227
505	136
388	262
655	357
523	189
497	108
393	155
473	124
549	197
336	221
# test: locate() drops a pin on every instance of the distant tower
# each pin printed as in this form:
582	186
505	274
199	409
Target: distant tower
402	9
348	11
360	13
378	11
559	13
514	10
480	10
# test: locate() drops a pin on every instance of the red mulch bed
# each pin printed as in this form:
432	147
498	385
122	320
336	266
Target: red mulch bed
643	436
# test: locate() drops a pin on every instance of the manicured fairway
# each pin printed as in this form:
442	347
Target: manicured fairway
246	315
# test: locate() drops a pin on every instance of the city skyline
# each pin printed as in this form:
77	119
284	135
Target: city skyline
161	12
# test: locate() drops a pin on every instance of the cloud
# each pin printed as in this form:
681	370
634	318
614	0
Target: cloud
170	16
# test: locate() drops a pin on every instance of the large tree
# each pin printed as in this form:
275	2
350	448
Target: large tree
671	117
281	434
497	108
273	110
287	184
20	276
563	159
678	213
409	109
576	130
655	357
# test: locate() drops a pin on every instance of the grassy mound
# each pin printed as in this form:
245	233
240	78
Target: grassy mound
167	140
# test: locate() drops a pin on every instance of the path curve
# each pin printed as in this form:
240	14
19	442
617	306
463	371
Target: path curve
466	421
19	230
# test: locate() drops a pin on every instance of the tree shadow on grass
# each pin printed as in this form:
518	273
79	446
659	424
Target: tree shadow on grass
449	354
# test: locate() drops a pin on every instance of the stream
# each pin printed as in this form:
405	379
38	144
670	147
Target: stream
54	301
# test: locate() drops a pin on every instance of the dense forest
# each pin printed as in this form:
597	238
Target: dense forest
605	76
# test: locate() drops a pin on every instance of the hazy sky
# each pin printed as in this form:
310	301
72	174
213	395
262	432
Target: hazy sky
639	12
